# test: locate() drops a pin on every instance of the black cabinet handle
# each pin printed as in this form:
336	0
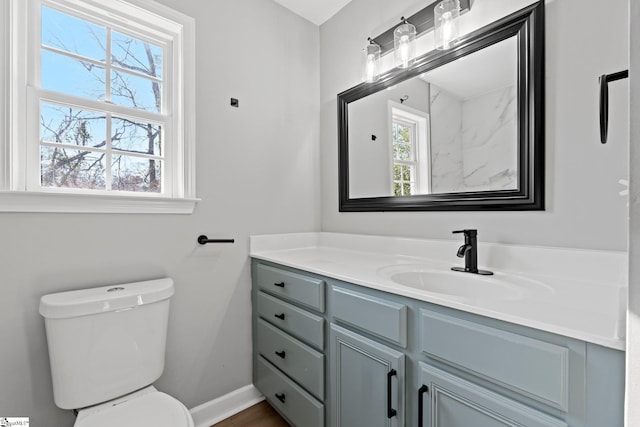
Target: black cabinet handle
281	354
280	316
390	411
281	397
604	100
280	285
422	390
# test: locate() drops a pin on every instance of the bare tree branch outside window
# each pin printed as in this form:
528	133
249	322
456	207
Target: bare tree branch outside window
75	150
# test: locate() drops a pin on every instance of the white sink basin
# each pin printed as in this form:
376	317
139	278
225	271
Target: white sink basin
462	286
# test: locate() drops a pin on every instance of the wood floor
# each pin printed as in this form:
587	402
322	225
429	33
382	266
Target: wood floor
260	415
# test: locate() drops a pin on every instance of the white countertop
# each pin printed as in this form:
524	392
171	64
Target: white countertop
576	293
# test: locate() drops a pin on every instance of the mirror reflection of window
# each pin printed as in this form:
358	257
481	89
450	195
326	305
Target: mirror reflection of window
404	157
409	150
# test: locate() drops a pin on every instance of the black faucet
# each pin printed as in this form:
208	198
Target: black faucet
470	253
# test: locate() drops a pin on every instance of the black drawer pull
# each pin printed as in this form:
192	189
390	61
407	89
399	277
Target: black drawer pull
280	285
390	411
422	390
281	354
280	316
281	397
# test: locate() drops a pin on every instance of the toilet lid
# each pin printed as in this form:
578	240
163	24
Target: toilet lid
150	410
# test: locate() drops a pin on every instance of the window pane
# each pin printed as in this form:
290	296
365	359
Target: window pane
403	133
137	92
136	137
406	173
406	188
402	151
133	54
70	126
397	190
130	173
396	172
75	35
61	73
70	168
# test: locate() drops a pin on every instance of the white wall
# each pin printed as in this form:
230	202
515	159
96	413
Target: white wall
258	172
584	209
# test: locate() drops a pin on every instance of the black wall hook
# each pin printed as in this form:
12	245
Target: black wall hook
604	100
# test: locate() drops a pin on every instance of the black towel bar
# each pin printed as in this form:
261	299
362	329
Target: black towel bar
604	100
203	240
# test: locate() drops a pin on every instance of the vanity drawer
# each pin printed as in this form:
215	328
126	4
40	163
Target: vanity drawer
302	363
299	323
291	286
298	406
534	368
384	319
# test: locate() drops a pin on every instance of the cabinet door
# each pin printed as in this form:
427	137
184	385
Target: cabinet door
449	401
367	382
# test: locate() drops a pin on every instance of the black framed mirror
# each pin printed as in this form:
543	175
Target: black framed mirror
461	129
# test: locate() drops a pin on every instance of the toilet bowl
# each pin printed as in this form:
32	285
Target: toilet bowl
145	408
106	349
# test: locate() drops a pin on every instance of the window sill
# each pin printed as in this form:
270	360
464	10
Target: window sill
18	201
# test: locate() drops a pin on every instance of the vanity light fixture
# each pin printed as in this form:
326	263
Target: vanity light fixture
423	20
446	15
404	37
371	62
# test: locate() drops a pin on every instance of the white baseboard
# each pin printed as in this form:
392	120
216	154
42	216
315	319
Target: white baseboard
214	411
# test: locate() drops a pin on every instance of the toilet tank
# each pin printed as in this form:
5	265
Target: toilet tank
106	342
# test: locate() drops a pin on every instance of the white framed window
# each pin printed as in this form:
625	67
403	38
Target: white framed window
410	154
405	156
101	108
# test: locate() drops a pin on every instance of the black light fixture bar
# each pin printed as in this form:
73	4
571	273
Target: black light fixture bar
422	20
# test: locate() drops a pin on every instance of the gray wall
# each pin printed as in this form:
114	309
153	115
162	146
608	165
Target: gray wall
584	209
633	319
257	171
371	165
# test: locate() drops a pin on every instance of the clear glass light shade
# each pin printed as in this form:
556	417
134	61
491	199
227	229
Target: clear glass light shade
404	49
446	15
371	63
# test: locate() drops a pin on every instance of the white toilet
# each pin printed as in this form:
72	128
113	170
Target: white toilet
106	348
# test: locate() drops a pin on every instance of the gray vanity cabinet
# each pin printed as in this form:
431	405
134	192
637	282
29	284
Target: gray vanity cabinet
367	375
450	401
367	381
334	354
288	339
532	367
